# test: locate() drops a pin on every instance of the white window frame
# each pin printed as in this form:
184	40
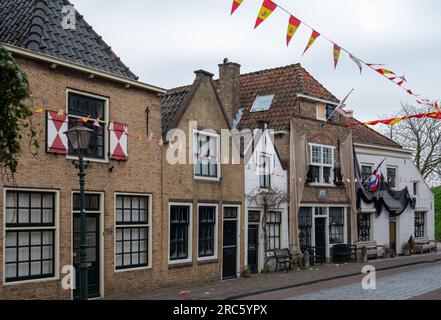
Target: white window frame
252	110
56	231
263	156
321	165
105	123
149	228
190	233
195	149
216	226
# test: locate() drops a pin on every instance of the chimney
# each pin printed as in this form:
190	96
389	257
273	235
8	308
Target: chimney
229	88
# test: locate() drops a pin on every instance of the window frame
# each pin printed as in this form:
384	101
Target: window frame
339	225
54	228
190	233
274	224
421	226
368	227
195	153
266	176
103	122
252	110
309	233
396	175
365	165
216	226
148	226
321	165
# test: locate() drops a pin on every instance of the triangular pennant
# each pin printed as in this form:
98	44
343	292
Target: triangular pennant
293	25
357	62
265	11
236	4
312	39
384	71
337	51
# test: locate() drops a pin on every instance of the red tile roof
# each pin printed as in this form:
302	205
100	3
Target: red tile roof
366	135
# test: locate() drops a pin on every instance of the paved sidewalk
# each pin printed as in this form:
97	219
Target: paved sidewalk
237	288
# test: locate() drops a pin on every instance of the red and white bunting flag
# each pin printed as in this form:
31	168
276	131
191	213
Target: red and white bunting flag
346	113
293	25
337	51
384	71
236	4
312	39
374	64
265	11
357	62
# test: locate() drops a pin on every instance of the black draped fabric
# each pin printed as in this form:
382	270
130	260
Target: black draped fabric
395	202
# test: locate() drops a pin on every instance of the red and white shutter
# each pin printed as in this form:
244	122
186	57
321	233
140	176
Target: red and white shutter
118	134
56	140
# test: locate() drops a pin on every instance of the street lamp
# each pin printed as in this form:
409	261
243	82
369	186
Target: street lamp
79	138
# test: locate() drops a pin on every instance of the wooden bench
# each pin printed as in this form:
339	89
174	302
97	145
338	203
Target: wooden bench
373	250
283	259
423	244
344	253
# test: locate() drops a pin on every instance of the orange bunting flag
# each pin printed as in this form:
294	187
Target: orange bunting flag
384	71
293	25
337	51
236	4
39	110
61	112
85	119
311	41
265	11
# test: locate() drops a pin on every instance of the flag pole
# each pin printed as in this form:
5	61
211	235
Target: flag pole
342	103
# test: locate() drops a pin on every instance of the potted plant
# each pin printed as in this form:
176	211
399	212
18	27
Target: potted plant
411	244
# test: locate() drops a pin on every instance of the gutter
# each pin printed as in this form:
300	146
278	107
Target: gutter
311	98
92	72
373	146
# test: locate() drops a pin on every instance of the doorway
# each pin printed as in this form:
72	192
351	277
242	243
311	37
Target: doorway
92	205
230	243
253	248
320	236
393	234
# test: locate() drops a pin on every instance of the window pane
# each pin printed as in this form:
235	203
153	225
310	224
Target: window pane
327	156
129	245
262	103
179	224
316	154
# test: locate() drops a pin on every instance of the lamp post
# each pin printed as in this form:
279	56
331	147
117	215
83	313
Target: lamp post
79	138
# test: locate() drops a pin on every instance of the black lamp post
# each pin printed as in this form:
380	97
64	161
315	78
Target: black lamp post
79	138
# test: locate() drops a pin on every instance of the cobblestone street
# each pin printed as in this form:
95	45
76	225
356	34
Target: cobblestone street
281	285
400	286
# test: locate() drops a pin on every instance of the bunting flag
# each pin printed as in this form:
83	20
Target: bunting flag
312	39
384	71
337	51
85	119
265	11
60	112
357	62
436	106
96	122
236	4
393	121
374	64
293	25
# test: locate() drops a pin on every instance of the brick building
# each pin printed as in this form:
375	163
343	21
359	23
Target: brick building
77	72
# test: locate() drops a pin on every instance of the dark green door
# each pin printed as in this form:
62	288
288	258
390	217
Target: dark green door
93	246
320	237
253	248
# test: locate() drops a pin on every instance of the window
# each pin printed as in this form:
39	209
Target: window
364	226
82	106
179	232
330	112
254	216
336	225
207	231
132	231
415	188
206	156
322	159
262	103
366	172
419	224
391	177
265	172
30	235
273	227
305	226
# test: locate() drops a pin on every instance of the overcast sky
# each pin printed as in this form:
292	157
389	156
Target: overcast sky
163	42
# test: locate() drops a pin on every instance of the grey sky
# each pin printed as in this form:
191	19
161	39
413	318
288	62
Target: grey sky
164	41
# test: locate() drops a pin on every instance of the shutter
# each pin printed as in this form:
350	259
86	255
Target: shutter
118	134
56	140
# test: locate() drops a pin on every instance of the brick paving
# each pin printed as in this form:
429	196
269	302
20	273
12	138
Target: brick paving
255	285
397	286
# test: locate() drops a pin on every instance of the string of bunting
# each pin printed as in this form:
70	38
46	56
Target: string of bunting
294	23
394	121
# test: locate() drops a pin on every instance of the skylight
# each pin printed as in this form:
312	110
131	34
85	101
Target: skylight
262	103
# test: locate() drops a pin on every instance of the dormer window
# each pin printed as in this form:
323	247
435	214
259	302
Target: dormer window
330	114
321	112
262	103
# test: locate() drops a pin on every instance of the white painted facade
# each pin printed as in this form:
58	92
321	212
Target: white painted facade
406	175
278	179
